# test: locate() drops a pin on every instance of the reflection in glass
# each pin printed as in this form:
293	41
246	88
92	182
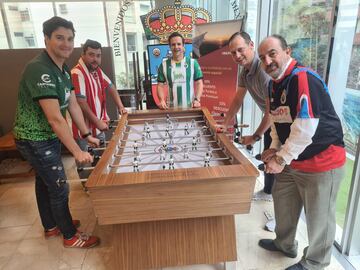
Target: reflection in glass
88	19
3	40
305	26
25	23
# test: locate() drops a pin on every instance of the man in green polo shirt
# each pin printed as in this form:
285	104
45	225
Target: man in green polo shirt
180	74
45	93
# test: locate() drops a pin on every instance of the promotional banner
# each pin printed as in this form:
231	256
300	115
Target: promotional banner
210	46
157	53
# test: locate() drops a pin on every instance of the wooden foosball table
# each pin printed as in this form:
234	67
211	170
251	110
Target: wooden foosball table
171	186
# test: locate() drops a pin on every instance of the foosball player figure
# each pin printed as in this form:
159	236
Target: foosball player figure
148	135
186	152
143	138
135	146
138	156
186	129
171	163
198	136
193	123
162	154
204	129
164	145
136	164
207	160
163	167
209	151
146	124
194	144
171	138
167	131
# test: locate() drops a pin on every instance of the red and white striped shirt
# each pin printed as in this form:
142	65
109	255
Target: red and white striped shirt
92	86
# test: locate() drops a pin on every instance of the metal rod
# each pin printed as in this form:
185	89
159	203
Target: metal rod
124	147
129	154
164	162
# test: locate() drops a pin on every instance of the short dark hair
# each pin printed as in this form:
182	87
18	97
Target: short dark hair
282	41
54	23
242	34
176	34
91	44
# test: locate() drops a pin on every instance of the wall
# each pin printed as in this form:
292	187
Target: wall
12	64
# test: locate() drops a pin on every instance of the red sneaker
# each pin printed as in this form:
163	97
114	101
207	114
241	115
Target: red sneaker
81	240
55	231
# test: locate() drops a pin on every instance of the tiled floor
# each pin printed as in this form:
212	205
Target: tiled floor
22	245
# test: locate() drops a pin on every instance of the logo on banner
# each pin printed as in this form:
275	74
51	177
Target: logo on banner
177	18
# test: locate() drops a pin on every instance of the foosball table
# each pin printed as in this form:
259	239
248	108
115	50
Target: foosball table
171	185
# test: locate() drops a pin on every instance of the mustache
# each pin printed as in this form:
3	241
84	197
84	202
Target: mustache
272	65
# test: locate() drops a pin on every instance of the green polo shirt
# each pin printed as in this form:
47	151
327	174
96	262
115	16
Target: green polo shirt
41	79
180	77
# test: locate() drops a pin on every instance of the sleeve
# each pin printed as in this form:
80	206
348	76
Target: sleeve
265	80
198	75
78	81
161	76
306	122
40	81
275	142
241	74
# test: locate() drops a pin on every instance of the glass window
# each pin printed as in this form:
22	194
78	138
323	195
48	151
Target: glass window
30	41
116	39
131	42
3	40
88	19
130	14
305	26
27	18
63	9
24	15
344	89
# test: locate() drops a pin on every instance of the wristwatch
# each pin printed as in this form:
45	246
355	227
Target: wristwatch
256	137
279	160
86	135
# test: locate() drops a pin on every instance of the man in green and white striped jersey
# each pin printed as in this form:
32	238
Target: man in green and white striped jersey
181	74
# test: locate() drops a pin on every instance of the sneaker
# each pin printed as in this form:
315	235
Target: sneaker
81	240
56	232
262	196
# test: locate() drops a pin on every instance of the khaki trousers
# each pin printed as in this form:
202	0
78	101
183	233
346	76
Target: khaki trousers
316	192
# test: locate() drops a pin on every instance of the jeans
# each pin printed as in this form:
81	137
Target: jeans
51	188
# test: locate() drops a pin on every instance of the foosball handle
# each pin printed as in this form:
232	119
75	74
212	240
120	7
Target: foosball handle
261	167
237	140
249	147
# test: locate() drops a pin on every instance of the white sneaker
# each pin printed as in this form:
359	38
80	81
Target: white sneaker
262	196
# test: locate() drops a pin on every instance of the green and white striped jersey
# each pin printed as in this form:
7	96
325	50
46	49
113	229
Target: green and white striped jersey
180	77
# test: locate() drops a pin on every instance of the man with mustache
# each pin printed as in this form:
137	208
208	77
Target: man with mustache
91	87
180	74
307	155
45	93
253	79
